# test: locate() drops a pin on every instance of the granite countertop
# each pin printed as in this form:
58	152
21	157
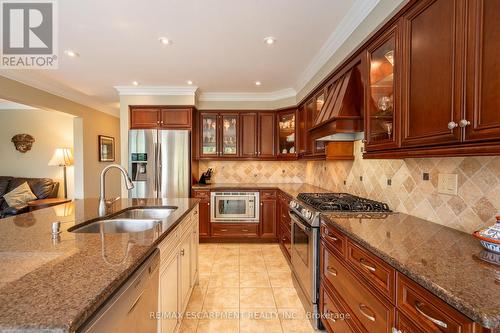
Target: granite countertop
443	260
292	189
55	286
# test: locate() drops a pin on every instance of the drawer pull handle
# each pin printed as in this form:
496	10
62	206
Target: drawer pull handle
331	270
223	230
363	263
335	239
244	230
418	307
362	309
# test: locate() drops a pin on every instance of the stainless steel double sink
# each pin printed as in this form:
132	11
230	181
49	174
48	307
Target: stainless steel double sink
131	220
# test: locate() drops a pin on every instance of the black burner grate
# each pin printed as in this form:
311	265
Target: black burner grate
342	202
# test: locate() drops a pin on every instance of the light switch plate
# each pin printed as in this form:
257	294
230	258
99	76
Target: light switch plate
448	183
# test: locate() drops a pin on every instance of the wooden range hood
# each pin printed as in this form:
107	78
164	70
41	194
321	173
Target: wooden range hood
343	108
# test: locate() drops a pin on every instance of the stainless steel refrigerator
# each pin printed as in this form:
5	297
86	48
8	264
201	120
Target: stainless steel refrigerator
159	163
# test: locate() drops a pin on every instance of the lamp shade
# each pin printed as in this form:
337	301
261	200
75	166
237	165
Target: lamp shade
62	157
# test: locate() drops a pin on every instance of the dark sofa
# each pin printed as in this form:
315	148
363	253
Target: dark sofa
43	188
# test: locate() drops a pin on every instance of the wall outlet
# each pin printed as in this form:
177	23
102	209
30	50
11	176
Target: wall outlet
448	183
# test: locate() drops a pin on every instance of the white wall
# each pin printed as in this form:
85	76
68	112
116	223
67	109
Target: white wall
51	130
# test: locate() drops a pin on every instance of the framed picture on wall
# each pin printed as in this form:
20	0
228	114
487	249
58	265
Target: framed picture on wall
106	148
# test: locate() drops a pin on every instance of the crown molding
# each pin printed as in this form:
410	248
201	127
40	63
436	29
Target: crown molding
59	90
247	96
355	15
157	90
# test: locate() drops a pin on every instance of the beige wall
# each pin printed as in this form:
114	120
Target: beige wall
93	123
51	130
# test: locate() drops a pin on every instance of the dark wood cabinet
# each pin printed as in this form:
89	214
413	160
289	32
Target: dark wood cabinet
268	211
160	117
144	118
482	117
432	71
381	63
266	135
173	118
204	211
287	134
219	135
248	146
302	130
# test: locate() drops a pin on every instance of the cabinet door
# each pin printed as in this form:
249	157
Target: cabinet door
144	118
302	130
209	135
168	302
203	212
248	134
268	218
229	138
195	240
310	108
287	133
266	135
175	118
382	63
185	270
483	71
432	72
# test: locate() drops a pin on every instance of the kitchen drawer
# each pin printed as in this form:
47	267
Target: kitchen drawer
427	311
374	314
204	195
235	229
334	238
333	317
378	273
285	241
267	194
405	325
287	224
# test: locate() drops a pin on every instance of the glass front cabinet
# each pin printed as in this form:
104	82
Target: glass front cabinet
382	91
287	133
219	135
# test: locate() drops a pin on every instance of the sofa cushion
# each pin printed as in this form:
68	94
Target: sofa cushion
41	187
20	196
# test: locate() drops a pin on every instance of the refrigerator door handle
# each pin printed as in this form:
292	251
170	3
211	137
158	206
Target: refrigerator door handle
160	173
156	171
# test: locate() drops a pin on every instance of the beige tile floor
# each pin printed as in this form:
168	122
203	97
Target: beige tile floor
244	288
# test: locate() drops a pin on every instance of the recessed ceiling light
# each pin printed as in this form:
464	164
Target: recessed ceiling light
71	53
258	83
269	40
135	83
189	82
165	41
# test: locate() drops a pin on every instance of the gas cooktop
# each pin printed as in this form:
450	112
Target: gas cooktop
342	202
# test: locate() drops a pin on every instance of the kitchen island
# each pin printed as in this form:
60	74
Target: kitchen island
54	285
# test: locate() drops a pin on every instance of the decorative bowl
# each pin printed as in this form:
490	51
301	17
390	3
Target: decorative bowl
490	237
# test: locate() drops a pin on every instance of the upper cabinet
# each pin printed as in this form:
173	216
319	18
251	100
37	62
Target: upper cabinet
482	117
219	135
237	135
382	63
209	134
160	117
287	133
433	32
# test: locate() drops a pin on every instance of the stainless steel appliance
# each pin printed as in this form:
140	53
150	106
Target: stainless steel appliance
234	207
305	216
128	310
159	163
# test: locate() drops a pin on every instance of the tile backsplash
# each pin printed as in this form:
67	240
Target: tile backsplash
475	206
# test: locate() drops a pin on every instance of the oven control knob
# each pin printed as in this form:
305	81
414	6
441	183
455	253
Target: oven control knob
307	213
293	204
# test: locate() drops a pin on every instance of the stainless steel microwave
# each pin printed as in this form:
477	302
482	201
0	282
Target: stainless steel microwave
234	206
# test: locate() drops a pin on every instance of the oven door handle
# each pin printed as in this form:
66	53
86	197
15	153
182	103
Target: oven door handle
295	218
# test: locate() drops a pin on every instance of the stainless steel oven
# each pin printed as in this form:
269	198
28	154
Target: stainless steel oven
234	207
305	265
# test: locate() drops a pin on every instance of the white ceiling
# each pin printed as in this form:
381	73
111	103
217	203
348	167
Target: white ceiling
218	44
